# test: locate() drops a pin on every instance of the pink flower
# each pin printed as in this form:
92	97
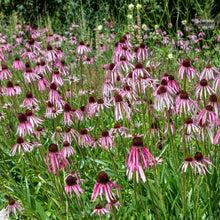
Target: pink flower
163	98
202	89
67	149
103	184
18	64
10	91
213	101
142	53
56	78
24	127
120	104
216	137
30	75
172	83
17	89
190	126
100	210
13	206
124	65
29	101
54	155
208	72
106	140
207	115
187	69
188	160
118	129
32	118
84	138
43	83
138	72
82	48
69	133
20	143
72	185
113	203
5	73
51	112
39	131
138	159
184	103
201	161
67	113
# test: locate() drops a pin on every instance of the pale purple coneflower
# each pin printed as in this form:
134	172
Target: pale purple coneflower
56	158
24	126
187	69
10	91
100	210
216	83
106	140
40	131
18	64
56	78
188	161
166	128
13	206
216	137
42	83
21	145
138	72
171	82
32	118
44	68
113	203
138	159
190	126
163	98
57	135
69	134
5	73
29	54
50	54
208	72
120	105
118	129
201	161
51	112
82	48
30	75
67	114
104	184
208	115
202	89
67	149
107	87
31	43
84	138
184	103
124	65
213	101
72	185
29	101
17	89
91	110
142	53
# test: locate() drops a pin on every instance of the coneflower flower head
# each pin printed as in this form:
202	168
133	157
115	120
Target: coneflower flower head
103	184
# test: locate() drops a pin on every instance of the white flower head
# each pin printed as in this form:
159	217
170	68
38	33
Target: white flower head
129	16
144	26
170	56
131	6
184	22
156	26
139	6
99	28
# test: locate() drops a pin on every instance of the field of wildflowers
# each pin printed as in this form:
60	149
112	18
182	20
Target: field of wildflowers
121	125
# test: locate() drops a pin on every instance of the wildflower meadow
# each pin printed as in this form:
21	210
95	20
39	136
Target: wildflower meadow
117	117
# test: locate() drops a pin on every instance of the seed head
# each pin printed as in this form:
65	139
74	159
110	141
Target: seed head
137	142
103	178
188	158
71	181
53	148
186	63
